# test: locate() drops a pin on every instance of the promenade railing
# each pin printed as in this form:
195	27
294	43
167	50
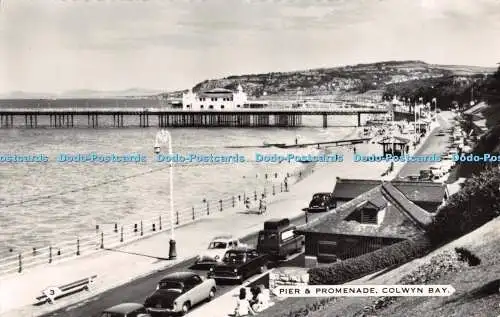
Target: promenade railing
114	235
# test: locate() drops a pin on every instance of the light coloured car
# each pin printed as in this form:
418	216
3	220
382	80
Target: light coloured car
178	292
437	171
217	248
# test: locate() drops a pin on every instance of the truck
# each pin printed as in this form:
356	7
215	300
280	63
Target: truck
278	239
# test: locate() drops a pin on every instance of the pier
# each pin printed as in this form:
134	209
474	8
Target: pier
66	117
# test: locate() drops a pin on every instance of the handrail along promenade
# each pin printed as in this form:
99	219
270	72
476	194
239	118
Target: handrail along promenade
115	235
168	117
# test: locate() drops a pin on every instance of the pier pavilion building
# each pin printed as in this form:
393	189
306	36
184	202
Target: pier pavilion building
219	99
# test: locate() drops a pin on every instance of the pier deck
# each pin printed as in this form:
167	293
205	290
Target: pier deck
167	117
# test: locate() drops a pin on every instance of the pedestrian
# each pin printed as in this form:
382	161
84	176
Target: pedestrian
243	307
262	299
286	184
354	149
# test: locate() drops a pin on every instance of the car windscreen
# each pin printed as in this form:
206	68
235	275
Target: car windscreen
266	237
233	257
166	284
217	245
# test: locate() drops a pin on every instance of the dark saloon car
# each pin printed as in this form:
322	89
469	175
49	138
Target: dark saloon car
321	202
126	310
176	293
239	264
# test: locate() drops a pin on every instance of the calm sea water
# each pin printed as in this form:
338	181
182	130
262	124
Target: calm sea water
59	209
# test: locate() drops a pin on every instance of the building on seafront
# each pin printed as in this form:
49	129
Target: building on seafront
381	213
219	99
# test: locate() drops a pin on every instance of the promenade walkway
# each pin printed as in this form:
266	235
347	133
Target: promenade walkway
120	265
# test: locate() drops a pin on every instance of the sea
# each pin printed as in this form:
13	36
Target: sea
44	203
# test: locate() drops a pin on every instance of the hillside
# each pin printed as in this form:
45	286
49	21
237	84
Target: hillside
357	78
477	286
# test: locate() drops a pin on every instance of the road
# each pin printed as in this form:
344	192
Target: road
136	291
435	144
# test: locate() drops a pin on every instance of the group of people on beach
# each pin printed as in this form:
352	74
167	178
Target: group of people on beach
259	300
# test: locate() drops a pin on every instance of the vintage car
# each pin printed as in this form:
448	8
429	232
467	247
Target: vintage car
239	264
217	248
126	310
278	239
176	293
321	202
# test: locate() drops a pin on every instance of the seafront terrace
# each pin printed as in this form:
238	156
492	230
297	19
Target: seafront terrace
168	117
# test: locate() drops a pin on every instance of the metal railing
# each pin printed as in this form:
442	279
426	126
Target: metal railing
115	235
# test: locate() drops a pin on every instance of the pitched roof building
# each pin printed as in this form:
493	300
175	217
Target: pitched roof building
382	215
427	195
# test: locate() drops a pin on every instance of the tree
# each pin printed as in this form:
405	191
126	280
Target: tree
474	205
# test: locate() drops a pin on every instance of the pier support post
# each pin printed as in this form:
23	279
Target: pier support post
325	121
359	119
102	240
20	258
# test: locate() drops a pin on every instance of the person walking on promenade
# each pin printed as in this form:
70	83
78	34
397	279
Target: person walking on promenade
262	204
286	184
243	307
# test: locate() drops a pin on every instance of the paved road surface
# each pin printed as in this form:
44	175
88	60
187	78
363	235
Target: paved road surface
435	144
137	290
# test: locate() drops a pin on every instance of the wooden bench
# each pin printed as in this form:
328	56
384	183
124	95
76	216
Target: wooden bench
50	294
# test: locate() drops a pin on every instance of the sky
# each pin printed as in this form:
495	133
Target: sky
55	46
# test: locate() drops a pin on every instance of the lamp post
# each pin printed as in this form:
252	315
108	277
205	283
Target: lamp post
164	136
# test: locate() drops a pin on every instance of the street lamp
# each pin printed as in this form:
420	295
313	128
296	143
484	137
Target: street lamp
163	136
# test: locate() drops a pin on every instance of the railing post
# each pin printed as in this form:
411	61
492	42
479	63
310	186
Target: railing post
274	190
160	222
192	209
208	208
78	246
50	254
142	232
244	196
233	201
220	203
307	217
20	257
255	195
121	234
177	217
281	187
102	240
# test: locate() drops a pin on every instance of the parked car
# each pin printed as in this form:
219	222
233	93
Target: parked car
278	239
217	248
126	310
178	292
239	264
437	171
321	202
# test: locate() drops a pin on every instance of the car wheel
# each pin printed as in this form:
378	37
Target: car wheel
185	308
211	294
